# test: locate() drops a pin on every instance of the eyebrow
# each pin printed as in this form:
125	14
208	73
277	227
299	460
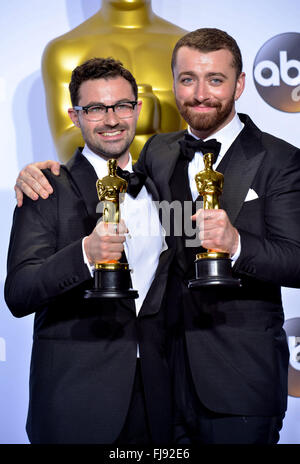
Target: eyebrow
97	103
210	74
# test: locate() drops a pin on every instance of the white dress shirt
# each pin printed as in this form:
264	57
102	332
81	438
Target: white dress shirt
226	136
145	239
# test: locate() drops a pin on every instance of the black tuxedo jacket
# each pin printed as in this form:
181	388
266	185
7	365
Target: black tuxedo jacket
236	346
84	352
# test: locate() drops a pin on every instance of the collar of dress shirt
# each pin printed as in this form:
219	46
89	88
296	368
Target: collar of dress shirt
226	135
100	164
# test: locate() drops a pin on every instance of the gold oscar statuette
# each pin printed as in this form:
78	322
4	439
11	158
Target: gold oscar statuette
111	278
212	267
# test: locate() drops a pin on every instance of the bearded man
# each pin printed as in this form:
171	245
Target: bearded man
228	349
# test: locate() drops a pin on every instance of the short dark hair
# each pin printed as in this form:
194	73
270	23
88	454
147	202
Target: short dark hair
210	40
98	68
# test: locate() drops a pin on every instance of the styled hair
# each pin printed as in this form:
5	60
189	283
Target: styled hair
210	40
98	68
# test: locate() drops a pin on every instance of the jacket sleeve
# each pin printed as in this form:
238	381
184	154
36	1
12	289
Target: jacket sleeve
271	253
37	271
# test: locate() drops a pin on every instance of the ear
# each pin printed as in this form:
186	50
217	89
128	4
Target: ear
240	85
139	107
173	85
74	117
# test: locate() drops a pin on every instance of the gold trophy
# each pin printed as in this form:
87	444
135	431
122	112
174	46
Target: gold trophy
212	267
111	278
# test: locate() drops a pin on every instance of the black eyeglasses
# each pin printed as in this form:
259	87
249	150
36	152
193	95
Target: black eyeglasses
97	112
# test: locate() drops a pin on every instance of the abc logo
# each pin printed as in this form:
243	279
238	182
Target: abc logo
276	72
292	328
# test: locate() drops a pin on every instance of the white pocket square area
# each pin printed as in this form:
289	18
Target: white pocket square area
251	195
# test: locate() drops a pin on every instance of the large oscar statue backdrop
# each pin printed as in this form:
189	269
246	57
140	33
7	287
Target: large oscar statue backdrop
129	31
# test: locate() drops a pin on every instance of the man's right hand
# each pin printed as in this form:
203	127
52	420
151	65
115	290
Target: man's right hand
105	243
32	181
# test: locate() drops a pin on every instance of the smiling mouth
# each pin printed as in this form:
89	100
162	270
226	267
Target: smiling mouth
203	108
111	134
202	105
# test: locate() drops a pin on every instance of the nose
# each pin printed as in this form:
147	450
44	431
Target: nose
201	91
111	118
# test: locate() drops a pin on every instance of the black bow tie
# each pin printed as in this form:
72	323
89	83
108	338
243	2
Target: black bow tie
135	181
189	145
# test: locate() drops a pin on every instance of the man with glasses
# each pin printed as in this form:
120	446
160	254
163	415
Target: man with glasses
98	371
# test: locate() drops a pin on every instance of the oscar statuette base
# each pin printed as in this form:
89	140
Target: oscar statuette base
112	280
213	269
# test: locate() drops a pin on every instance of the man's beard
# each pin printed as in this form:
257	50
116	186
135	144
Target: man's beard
108	154
107	151
205	121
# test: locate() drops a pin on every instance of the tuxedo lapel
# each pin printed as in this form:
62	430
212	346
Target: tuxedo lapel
245	158
85	179
171	158
170	151
155	295
151	188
